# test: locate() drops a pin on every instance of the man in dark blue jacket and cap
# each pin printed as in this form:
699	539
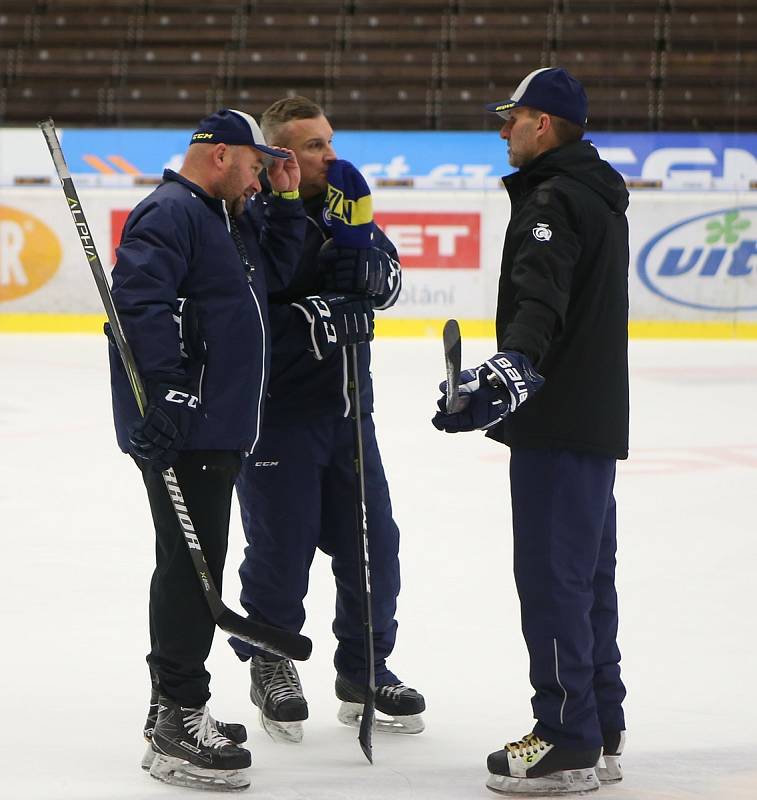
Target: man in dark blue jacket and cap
192	276
562	310
297	493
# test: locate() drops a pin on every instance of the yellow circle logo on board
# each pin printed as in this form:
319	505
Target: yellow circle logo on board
30	253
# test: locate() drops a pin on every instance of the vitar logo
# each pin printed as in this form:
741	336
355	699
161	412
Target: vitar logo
707	262
30	253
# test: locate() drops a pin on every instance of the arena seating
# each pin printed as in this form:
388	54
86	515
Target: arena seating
419	64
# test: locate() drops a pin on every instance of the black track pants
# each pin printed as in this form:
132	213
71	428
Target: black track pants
181	626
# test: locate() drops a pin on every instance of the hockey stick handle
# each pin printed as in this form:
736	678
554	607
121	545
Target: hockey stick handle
274	640
452	358
366	723
51	137
453	390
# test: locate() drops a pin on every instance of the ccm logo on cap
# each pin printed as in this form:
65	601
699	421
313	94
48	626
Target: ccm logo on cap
202	136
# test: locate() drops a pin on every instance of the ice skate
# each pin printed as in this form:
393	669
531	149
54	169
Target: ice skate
233	731
608	766
537	768
276	690
400	706
190	752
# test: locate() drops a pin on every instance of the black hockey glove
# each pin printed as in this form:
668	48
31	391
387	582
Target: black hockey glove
489	393
370	271
336	320
159	435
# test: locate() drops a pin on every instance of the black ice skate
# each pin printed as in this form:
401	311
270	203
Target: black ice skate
276	690
233	731
608	766
190	752
401	705
534	767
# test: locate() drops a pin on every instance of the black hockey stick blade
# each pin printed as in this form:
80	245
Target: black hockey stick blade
365	735
452	359
273	640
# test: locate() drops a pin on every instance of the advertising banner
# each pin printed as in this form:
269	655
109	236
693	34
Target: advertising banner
430	159
695	260
693	256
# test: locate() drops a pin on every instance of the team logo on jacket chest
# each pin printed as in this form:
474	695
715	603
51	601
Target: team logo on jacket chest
542	232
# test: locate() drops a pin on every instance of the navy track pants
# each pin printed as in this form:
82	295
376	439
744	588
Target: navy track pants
564	558
297	493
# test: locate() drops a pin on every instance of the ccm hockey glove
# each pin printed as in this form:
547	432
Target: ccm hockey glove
368	271
489	393
336	320
160	434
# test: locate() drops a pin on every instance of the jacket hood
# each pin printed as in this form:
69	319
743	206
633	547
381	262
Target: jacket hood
580	161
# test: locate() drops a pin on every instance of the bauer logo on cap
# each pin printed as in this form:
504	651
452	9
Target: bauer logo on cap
552	90
229	126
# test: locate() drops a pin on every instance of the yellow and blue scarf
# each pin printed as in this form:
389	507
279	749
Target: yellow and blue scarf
349	206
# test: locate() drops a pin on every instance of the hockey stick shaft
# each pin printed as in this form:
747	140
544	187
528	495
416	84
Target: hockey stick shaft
365	736
87	243
290	645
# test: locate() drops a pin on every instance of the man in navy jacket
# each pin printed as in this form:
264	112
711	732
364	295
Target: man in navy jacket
193	271
562	310
296	492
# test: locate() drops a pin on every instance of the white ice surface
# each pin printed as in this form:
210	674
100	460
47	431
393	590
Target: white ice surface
77	555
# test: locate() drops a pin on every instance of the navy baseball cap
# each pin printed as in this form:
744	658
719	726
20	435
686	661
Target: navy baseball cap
229	126
552	90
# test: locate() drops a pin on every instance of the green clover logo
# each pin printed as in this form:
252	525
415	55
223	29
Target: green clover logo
729	229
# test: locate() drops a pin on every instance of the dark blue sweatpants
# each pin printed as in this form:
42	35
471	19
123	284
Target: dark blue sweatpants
564	549
297	493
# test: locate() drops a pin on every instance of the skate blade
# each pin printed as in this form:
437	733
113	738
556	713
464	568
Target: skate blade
574	781
352	713
287	732
609	769
177	772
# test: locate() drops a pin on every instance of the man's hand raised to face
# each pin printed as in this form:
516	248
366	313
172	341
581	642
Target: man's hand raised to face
284	173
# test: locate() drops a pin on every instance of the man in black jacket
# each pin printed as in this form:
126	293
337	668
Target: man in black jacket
562	310
296	492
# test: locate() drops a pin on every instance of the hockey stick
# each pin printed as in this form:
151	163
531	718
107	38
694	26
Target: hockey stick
452	358
365	735
274	640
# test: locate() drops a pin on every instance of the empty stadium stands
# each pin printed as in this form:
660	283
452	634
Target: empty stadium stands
418	64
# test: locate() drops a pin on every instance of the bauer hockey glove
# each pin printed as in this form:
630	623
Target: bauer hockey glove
489	393
335	320
367	271
160	434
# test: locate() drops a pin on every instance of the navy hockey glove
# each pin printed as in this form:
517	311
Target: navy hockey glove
336	320
369	271
160	434
490	392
